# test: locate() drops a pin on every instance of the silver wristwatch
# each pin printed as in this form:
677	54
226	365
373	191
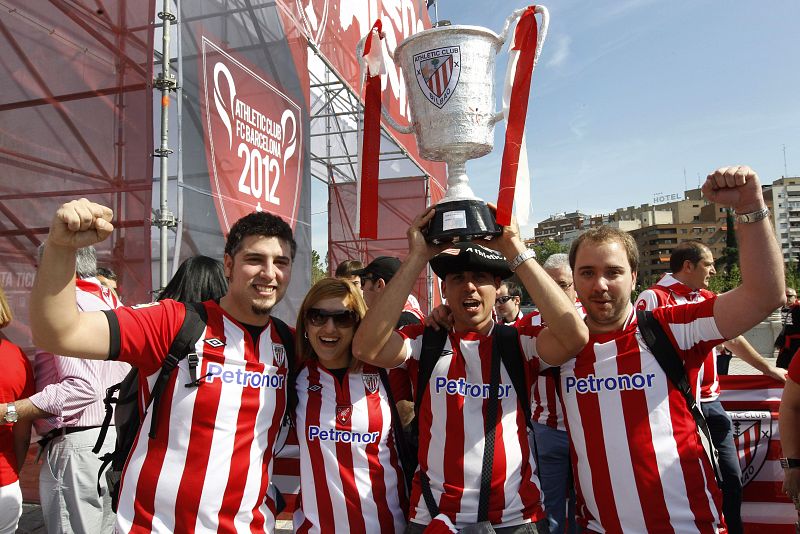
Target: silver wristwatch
11	413
522	257
753	216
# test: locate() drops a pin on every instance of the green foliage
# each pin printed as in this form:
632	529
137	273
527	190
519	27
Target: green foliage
319	267
547	249
792	274
725	280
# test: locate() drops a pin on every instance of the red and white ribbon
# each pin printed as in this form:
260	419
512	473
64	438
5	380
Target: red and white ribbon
371	147
514	174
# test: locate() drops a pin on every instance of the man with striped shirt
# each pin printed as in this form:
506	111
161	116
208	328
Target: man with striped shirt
446	491
68	411
692	266
639	462
209	465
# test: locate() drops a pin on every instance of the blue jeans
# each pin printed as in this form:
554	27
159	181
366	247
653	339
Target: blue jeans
722	435
555	475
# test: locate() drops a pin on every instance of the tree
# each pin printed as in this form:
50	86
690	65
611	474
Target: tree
319	268
727	265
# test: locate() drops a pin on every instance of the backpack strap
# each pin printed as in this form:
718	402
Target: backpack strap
433	342
667	357
490	429
507	338
287	338
403	448
194	324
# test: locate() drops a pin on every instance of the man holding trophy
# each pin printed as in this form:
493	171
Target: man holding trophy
477	471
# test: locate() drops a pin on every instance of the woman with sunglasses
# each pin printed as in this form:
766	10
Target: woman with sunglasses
351	479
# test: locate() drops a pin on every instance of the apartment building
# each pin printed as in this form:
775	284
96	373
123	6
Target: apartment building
786	216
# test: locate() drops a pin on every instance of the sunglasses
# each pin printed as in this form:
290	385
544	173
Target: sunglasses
341	318
502	300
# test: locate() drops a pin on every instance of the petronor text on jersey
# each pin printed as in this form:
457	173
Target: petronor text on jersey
465	389
242	378
592	384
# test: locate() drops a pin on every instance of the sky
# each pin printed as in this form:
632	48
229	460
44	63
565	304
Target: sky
634	98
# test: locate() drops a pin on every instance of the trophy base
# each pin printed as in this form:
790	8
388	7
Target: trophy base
462	220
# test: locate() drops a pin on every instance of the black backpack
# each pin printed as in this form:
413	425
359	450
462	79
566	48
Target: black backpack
127	419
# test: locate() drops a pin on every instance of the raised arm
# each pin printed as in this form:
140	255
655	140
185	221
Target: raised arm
762	288
566	333
376	341
56	324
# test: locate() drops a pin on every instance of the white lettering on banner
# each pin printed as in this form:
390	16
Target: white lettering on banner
264	146
592	384
244	378
465	389
341	436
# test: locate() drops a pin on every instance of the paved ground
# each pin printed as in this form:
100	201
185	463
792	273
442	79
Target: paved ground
32	523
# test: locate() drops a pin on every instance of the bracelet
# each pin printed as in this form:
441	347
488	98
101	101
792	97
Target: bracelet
790	463
522	257
753	216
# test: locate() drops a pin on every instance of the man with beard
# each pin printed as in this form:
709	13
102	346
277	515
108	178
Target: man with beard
447	490
692	266
638	458
210	463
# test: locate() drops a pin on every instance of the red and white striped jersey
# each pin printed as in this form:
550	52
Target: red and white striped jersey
451	432
350	474
210	464
545	406
669	292
636	452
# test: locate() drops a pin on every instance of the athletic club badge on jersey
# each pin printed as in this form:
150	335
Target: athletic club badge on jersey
280	354
343	413
371	381
751	434
437	72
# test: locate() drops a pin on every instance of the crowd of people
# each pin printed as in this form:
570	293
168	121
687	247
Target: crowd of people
477	418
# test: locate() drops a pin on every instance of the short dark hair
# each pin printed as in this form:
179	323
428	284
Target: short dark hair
513	288
691	250
606	234
347	268
198	279
259	223
105	272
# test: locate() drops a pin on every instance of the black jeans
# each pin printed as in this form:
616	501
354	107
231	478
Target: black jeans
526	528
722	435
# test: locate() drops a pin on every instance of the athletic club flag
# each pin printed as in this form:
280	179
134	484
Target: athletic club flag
752	401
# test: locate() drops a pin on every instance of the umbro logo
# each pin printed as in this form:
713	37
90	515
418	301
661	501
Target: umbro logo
314	387
214	342
446	352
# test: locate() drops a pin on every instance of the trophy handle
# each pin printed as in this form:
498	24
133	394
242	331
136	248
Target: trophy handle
513	18
362	68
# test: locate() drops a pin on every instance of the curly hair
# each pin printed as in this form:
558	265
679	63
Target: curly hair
259	223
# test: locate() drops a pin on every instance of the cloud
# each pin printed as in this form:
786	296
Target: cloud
561	51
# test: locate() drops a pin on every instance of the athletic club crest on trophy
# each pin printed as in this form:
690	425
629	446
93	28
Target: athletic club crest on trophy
449	77
437	73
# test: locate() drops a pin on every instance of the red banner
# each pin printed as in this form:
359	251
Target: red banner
752	402
253	139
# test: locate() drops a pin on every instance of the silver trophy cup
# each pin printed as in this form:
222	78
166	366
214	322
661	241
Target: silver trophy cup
449	77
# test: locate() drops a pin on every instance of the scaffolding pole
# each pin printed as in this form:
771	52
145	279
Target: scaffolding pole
165	82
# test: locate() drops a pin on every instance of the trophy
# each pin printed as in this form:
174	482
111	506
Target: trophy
449	77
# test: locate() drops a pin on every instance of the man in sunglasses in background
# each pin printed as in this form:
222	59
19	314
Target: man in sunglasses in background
374	278
210	462
506	304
